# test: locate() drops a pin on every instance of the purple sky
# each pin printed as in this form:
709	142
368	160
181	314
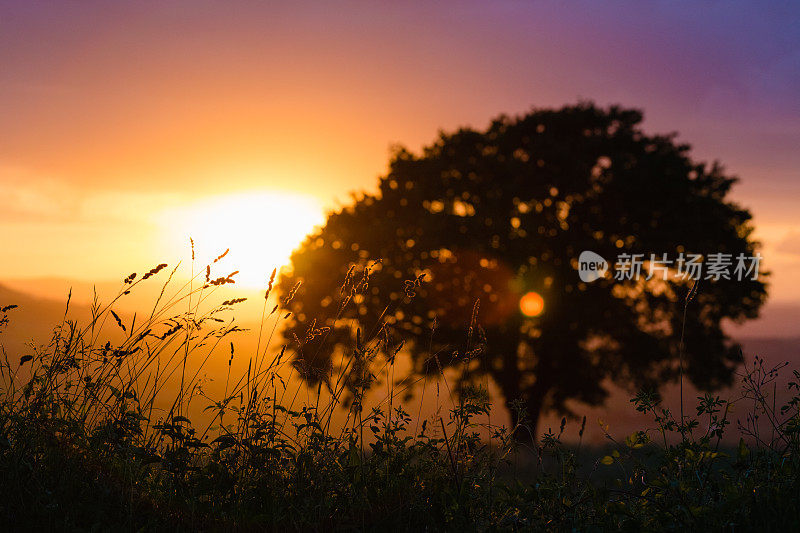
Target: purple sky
158	103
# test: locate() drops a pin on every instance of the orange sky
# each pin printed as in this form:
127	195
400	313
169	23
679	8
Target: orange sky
117	117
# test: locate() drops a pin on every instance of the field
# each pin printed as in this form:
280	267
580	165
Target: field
112	426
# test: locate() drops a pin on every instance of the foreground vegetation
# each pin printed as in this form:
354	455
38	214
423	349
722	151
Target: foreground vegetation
97	434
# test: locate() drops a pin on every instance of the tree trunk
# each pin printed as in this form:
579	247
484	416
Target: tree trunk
534	403
509	377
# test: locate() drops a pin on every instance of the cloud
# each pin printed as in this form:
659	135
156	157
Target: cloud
27	197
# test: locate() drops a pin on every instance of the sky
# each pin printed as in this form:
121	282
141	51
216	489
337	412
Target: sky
126	127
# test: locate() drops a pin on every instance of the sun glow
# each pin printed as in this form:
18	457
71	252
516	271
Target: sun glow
260	228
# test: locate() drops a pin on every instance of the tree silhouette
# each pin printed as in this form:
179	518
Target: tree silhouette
489	216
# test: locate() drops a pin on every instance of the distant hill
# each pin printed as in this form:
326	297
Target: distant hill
57	289
777	319
623	419
33	320
141	298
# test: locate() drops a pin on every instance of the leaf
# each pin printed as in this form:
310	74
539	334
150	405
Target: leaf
354	458
607	460
24	359
224	441
637	439
743	451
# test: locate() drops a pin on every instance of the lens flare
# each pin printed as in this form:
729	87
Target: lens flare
532	304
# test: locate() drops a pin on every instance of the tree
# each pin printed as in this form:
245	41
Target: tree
489	216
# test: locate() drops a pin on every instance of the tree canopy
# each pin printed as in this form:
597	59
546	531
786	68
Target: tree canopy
457	234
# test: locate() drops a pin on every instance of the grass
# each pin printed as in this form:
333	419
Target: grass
110	427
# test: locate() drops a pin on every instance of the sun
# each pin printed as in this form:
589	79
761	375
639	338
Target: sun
260	228
532	304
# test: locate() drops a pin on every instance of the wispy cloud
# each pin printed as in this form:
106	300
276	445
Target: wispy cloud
28	197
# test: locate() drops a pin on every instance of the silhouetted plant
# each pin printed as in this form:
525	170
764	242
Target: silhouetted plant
90	437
